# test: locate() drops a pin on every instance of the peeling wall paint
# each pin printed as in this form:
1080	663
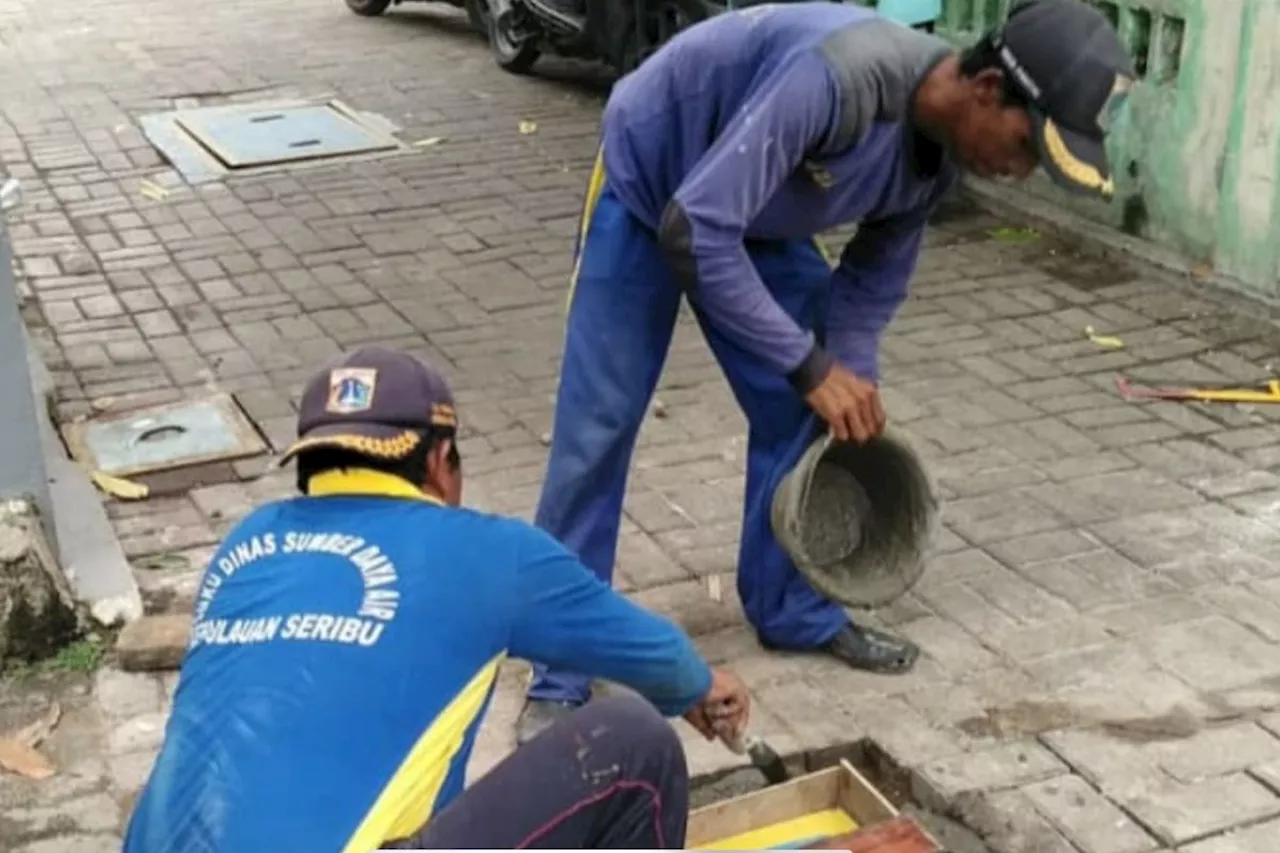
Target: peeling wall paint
1197	157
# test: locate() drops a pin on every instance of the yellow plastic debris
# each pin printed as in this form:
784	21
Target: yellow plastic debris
152	190
118	487
1105	341
428	142
528	127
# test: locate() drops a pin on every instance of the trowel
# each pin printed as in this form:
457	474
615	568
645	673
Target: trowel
763	757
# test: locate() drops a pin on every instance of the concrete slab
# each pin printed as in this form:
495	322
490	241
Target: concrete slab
88	548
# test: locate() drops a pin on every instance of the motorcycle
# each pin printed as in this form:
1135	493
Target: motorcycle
374	8
621	33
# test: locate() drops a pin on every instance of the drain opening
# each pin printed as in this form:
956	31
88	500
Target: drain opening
877	767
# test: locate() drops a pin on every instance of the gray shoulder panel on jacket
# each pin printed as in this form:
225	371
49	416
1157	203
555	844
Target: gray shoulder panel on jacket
877	64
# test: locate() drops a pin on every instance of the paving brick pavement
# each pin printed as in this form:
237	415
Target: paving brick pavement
1101	618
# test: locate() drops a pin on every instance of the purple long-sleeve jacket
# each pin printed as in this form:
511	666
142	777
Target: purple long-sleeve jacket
780	122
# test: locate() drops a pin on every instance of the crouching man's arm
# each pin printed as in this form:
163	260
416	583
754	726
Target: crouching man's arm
569	619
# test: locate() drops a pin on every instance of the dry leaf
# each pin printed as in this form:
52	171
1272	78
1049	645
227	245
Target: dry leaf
34	733
17	757
428	142
1016	236
118	487
528	127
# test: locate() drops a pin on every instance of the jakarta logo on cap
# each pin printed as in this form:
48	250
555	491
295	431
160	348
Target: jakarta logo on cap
351	390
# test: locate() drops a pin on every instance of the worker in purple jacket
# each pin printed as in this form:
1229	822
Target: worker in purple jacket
721	157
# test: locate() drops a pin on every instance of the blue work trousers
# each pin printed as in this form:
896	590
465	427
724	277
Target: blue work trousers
622	313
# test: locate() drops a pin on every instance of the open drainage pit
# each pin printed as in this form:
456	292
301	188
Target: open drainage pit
874	763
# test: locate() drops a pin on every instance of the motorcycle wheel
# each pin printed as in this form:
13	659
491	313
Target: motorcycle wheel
512	53
368	8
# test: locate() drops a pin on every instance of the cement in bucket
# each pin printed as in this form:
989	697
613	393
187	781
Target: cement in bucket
857	520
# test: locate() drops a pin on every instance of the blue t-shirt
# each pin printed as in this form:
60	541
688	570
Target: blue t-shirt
344	651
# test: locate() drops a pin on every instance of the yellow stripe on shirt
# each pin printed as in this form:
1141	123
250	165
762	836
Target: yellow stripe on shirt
408	798
595	186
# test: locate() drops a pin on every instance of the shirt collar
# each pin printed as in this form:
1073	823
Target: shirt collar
925	157
365	481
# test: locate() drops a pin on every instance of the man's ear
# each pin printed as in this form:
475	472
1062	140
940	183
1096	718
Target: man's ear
988	87
438	457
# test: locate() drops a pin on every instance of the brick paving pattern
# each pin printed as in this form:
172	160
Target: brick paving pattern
1101	621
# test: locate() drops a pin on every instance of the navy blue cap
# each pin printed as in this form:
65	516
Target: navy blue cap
1069	64
373	401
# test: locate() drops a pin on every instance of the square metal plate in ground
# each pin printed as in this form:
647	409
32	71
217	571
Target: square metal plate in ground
192	432
263	135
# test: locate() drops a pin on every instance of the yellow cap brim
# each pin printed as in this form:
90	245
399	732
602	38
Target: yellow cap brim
373	440
1075	162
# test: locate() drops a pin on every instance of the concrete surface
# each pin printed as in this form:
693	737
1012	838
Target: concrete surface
88	550
1101	619
22	473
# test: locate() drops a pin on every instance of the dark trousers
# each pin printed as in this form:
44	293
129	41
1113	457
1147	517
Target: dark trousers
610	775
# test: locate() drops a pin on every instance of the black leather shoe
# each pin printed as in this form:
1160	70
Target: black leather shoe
538	715
872	650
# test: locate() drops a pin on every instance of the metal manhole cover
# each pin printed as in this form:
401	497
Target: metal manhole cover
173	436
242	137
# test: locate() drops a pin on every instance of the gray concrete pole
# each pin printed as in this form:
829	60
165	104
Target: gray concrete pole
22	469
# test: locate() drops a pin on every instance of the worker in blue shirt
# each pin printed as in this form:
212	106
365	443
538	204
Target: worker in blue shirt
345	648
720	159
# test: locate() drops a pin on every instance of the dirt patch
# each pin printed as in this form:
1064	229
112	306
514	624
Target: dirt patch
1032	718
1084	271
1022	719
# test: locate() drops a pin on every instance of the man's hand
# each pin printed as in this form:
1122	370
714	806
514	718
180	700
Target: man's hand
849	405
726	706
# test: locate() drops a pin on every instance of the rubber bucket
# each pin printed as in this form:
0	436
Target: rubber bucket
857	520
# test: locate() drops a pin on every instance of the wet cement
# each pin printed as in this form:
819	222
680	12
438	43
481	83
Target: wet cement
834	511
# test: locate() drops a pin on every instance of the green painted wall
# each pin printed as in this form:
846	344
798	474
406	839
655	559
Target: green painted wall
1197	157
